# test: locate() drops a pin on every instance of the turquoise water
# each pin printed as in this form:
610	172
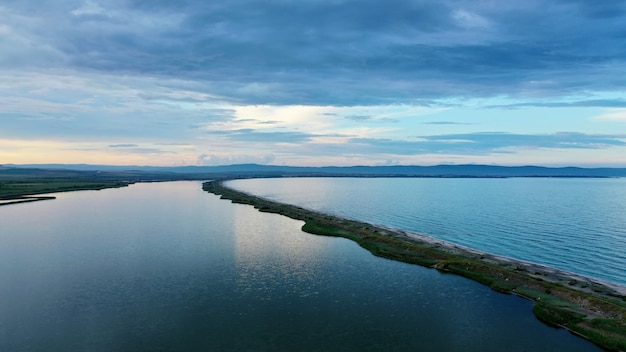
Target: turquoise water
578	225
168	267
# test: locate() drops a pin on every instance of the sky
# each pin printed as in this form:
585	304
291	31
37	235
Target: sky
313	82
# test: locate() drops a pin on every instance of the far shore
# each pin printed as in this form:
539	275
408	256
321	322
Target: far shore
34	192
587	307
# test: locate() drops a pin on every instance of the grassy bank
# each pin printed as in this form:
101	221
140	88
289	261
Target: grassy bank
591	309
19	189
20	185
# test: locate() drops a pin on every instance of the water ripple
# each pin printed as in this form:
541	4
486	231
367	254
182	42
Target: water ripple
577	225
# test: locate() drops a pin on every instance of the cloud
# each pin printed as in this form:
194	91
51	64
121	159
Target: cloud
330	53
444	123
495	140
98	106
123	145
215	160
251	135
330	79
136	149
469	19
88	8
616	116
488	142
607	103
358	118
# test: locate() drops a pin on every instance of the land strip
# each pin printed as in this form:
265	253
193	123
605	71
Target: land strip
592	309
25	199
23	191
20	185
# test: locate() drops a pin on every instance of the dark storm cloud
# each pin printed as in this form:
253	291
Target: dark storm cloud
330	52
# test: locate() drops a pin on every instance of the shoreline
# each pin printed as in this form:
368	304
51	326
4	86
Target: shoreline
590	308
24	199
557	275
33	194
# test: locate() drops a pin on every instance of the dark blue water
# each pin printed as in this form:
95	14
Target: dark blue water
578	225
168	267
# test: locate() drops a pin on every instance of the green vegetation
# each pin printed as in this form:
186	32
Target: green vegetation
12	189
19	185
589	309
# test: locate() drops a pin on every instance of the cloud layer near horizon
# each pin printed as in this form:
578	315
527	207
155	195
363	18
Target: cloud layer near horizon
255	80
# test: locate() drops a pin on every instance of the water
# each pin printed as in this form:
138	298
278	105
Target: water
578	225
168	267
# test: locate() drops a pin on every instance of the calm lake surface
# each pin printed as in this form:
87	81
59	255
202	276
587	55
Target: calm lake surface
578	225
168	267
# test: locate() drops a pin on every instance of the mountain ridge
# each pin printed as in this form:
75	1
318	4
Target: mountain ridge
444	170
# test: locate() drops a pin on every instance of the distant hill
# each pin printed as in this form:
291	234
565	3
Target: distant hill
250	170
